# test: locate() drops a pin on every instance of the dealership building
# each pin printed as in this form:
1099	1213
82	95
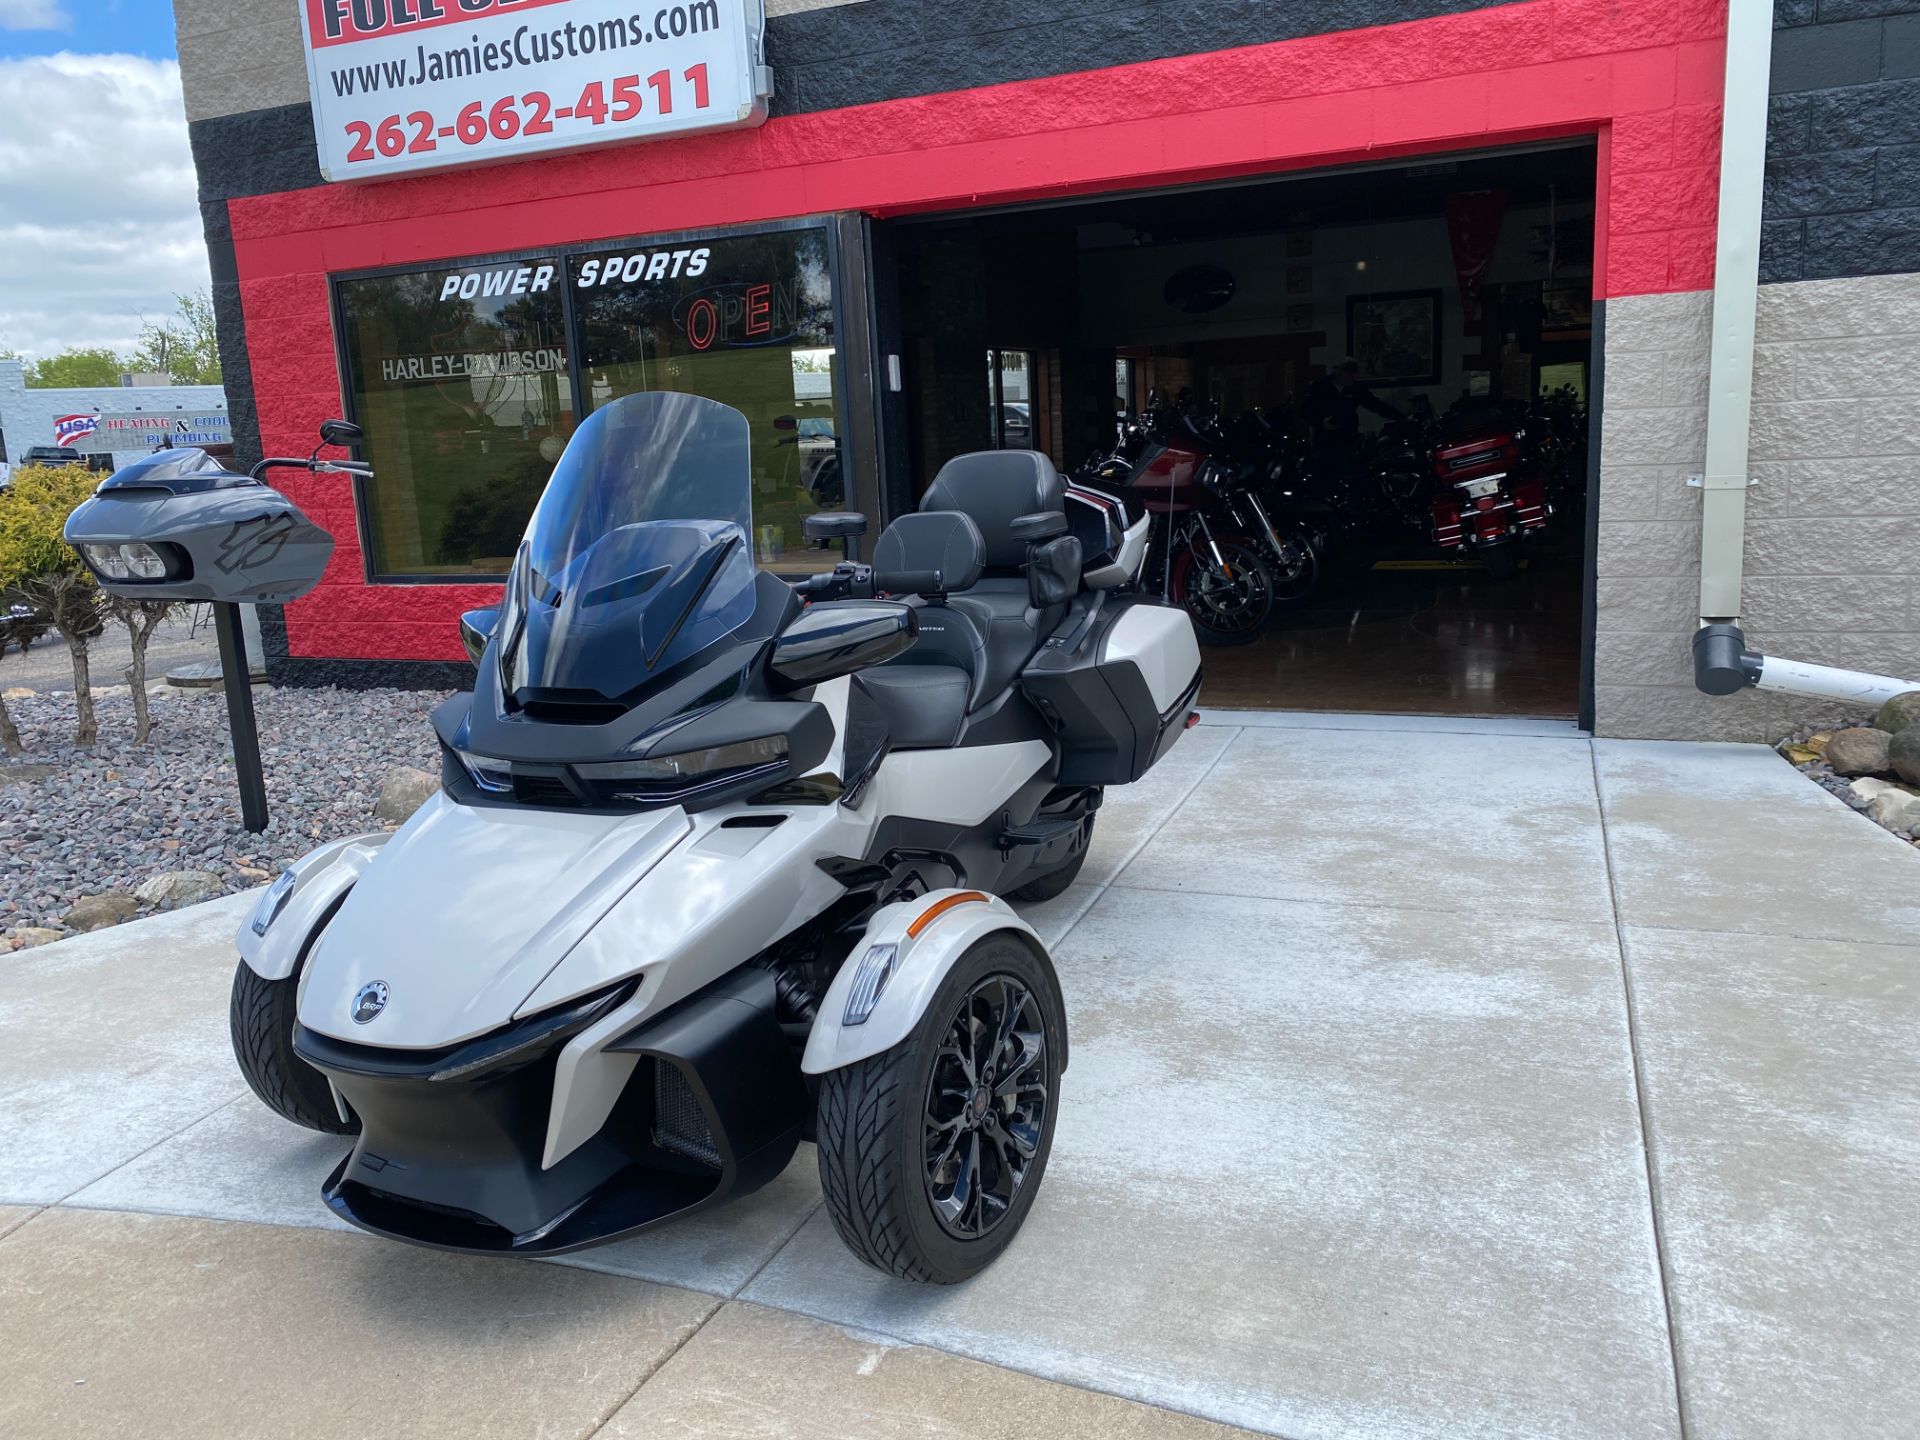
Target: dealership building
891	231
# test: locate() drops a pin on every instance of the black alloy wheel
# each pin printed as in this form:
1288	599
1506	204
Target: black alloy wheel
986	1106
931	1152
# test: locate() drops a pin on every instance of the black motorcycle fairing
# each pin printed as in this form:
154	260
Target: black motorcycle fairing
556	732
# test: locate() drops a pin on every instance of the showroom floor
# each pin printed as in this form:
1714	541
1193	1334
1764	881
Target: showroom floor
1427	639
1430	1079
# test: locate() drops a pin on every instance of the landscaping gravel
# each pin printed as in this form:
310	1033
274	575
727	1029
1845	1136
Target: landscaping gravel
90	822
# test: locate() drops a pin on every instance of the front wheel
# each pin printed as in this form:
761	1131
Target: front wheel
1230	599
261	1017
931	1152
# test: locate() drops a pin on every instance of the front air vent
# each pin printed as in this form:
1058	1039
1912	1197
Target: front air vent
542	790
679	1124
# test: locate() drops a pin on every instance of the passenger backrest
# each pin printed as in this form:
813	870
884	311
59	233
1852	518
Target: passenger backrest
995	487
949	542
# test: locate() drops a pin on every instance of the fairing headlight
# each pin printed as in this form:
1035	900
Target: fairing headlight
269	906
690	769
489	774
132	561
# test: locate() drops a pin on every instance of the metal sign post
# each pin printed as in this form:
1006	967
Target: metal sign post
238	682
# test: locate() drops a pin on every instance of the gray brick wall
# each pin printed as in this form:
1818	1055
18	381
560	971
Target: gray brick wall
1843	140
1833	526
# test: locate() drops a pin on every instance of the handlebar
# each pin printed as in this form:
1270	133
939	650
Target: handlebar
851	581
319	467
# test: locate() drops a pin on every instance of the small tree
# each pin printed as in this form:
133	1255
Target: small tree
184	347
76	368
38	568
140	619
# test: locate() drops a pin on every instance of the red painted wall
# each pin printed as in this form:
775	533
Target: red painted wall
1643	75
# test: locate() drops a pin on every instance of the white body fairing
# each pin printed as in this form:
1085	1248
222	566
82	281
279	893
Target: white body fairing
476	915
920	964
321	877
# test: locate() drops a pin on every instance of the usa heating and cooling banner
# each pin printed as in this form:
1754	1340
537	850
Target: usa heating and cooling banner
409	85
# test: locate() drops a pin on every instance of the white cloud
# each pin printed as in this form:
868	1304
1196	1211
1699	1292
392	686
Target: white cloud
99	218
33	15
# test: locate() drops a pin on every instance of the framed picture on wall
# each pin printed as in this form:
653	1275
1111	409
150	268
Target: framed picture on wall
1299	280
1566	311
1299	243
1299	317
1395	336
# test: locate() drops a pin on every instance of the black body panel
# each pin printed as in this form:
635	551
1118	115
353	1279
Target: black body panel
1110	731
452	1161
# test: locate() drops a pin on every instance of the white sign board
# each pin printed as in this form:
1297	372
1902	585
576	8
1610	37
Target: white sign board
401	86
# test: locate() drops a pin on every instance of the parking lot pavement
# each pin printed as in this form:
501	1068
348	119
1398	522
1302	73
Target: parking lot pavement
1400	1106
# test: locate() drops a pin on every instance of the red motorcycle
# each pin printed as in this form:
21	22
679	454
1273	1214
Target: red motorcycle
1199	559
1486	496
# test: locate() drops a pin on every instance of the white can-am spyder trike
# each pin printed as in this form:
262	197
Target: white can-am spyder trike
714	870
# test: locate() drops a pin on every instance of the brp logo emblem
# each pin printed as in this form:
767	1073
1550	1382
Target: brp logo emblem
369	1000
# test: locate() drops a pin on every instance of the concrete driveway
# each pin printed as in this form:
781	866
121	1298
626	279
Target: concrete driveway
1430	1079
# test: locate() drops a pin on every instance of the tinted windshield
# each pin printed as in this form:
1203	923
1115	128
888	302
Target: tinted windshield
637	555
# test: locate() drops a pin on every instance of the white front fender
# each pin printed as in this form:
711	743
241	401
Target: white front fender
320	878
920	963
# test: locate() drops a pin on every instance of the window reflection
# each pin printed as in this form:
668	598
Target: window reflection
743	319
460	377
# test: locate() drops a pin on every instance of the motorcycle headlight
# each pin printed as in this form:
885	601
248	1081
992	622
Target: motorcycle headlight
690	769
133	561
486	772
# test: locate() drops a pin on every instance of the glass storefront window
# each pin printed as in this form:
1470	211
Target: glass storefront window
459	376
1010	399
743	319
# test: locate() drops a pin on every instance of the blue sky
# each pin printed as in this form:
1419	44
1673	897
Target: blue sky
100	221
127	27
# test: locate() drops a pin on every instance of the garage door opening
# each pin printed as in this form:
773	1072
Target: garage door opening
1216	323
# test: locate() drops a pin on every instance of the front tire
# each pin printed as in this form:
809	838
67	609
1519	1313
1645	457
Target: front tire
261	1016
931	1152
1228	606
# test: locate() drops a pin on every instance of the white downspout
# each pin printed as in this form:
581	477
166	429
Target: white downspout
1736	283
1721	662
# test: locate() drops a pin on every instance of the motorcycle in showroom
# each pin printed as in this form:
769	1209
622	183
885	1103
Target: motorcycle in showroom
1216	552
1486	498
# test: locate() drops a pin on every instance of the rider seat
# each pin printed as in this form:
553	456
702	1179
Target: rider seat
1003	595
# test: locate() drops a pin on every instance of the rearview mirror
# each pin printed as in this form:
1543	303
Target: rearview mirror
476	628
827	641
825	526
340	432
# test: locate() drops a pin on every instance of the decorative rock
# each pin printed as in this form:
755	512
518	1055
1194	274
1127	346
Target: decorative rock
1903	754
1899	712
1864	790
1896	810
249	872
403	791
178	887
31	935
96	912
1861	750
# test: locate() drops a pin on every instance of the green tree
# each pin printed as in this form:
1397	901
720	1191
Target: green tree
140	618
39	568
185	347
71	368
